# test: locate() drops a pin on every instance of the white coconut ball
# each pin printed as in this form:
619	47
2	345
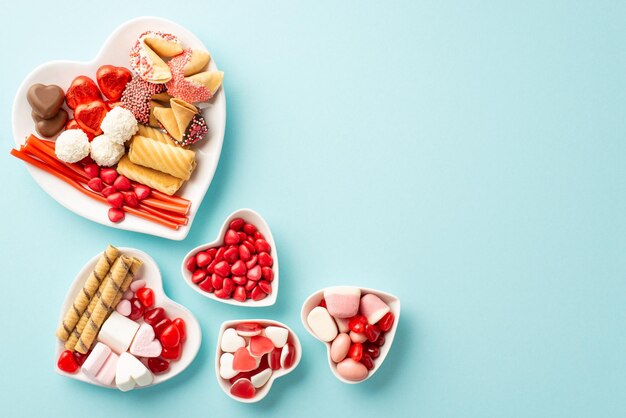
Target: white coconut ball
106	152
119	125
72	146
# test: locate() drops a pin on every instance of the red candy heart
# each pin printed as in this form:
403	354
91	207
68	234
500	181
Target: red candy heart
145	296
136	309
248	329
82	90
260	345
158	365
67	362
112	81
170	336
386	322
182	328
243	388
89	116
154	316
243	361
173	353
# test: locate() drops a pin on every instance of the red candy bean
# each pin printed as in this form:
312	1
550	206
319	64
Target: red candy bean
367	361
357	324
386	322
158	365
372	350
372	332
154	316
236	224
172	353
231	237
161	326
136	309
170	336
249	229
262	246
182	328
265	260
198	276
356	351
145	296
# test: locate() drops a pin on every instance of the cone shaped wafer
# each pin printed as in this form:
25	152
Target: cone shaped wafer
209	79
152	178
113	285
198	60
81	302
176	119
152	121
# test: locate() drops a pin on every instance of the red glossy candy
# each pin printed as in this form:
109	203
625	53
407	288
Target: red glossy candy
210	267
250	284
160	326
240	375
243	361
219	255
173	353
250	247
248	329
158	365
249	229
240	280
145	296
371	350
254	273
265	260
170	336
136	309
372	332
122	183
367	361
228	286
252	262
80	358
182	328
242	236
222	268
217	281
236	224
96	184
67	362
258	294
381	340
356	351
258	235
231	237
244	253
322	303
239	268
357	324
198	275
265	286
260	345
262	246
386	322
154	316
108	191
267	273
222	294
273	359
290	357
92	169
206	285
239	294
212	252
232	254
203	259
243	388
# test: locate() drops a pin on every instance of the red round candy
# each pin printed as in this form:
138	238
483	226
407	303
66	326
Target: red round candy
146	296
158	365
170	336
67	362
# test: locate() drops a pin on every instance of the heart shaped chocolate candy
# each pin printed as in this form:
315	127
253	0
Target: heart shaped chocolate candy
45	100
50	127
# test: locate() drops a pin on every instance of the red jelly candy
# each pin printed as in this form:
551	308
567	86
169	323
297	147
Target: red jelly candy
203	258
206	285
372	332
231	237
198	276
386	322
381	340
243	388
231	255
372	350
145	296
173	353
158	365
160	326
367	361
182	328
260	345
249	229
262	246
136	309
236	224
273	359
217	281
289	357
67	362
80	358
267	273
265	286
240	375
243	361
170	336
248	329
356	351
153	316
357	324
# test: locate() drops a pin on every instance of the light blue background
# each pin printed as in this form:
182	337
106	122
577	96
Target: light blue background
466	156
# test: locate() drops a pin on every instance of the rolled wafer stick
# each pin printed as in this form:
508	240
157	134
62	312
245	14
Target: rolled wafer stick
74	313
132	272
113	285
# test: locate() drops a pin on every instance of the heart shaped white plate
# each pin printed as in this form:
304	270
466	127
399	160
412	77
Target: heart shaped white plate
394	304
115	52
257	220
152	275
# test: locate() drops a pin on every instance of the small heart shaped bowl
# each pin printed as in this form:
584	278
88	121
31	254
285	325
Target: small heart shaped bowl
257	220
152	275
265	389
391	300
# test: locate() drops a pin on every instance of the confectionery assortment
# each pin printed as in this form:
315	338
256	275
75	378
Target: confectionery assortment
135	125
354	324
113	333
241	268
251	353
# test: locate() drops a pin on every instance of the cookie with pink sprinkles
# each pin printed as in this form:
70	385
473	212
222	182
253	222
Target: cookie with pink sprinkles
186	88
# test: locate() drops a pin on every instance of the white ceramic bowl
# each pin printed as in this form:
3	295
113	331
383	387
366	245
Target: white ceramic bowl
152	275
257	220
115	52
265	389
391	300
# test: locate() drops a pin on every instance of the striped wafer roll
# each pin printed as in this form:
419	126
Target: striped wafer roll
73	314
165	158
152	178
132	272
113	286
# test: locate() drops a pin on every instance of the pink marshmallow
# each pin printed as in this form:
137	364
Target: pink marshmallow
342	301
106	375
123	307
95	360
128	295
373	308
137	284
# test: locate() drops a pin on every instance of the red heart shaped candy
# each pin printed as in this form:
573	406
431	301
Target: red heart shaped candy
260	345
243	388
112	81
243	361
89	116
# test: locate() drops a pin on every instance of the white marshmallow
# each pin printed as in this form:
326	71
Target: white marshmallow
322	324
278	335
231	341
226	366
131	372
118	332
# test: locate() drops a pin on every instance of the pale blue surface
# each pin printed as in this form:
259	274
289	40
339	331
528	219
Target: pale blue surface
467	157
